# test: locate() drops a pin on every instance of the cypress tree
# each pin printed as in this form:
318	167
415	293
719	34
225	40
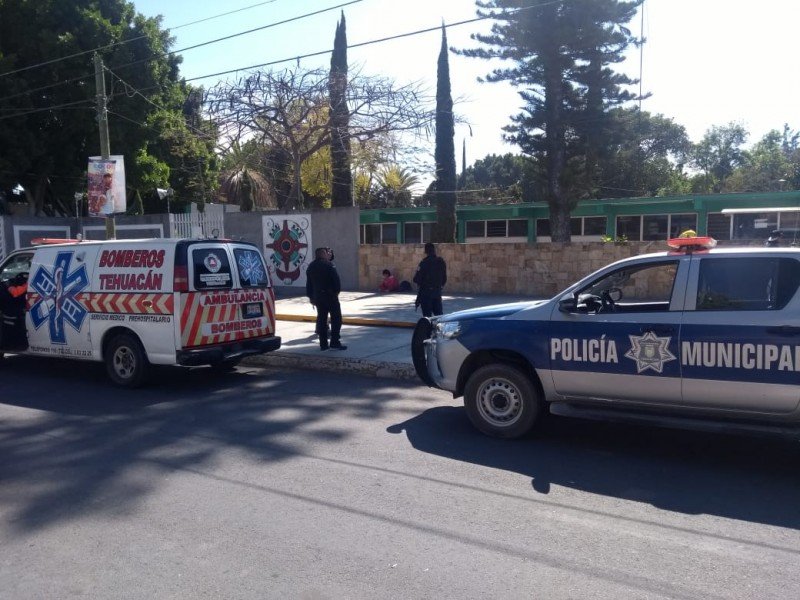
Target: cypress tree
445	152
137	207
342	186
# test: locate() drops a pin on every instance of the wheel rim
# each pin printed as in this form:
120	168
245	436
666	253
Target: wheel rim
124	362
499	402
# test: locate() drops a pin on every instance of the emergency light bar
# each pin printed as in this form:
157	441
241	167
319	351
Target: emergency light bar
688	244
41	241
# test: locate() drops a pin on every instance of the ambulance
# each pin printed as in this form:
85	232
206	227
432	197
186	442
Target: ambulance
693	337
136	303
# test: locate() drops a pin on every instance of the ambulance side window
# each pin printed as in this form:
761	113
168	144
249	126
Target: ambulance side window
212	269
747	283
252	272
17	265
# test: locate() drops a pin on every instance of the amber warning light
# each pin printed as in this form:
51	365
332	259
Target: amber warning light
690	244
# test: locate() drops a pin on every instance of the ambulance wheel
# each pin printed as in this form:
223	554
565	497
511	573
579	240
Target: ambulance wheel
126	362
501	401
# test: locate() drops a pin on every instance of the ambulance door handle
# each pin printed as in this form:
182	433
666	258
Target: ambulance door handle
785	330
147	303
658	329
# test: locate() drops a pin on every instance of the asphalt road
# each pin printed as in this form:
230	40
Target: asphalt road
280	484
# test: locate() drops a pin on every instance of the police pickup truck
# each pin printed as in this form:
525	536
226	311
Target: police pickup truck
695	337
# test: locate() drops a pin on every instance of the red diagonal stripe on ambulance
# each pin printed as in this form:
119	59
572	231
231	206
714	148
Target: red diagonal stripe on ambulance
190	318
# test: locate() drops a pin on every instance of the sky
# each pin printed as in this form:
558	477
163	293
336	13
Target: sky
704	62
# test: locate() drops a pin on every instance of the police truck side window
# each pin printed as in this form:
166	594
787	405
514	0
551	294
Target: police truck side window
212	269
747	283
640	288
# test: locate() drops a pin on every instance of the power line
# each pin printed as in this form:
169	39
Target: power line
225	14
47	87
57	107
308	55
241	33
165	54
123	42
234	35
321	52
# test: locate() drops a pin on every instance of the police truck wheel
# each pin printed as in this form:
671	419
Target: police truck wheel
501	401
126	362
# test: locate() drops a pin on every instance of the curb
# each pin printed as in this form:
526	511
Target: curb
348	321
389	370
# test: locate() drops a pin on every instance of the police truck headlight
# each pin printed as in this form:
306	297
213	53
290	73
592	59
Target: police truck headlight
448	330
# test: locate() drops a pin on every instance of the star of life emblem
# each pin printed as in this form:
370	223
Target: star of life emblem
57	304
251	268
650	352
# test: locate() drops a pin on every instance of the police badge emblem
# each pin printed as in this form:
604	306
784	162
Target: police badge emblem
650	352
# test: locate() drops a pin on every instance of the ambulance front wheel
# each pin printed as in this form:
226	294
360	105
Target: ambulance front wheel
501	401
126	362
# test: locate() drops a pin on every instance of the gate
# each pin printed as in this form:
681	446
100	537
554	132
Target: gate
196	225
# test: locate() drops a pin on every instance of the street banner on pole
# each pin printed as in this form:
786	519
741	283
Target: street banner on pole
106	186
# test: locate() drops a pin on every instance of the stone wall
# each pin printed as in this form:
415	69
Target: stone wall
541	269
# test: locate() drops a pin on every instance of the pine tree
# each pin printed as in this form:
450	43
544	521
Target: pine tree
445	152
561	53
342	187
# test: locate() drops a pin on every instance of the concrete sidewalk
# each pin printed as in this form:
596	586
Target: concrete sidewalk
376	329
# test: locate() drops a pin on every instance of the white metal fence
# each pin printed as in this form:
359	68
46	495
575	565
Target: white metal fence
196	225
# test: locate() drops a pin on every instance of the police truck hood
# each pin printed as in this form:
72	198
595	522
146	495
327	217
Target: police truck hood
490	312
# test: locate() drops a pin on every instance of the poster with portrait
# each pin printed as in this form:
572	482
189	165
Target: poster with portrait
287	248
106	186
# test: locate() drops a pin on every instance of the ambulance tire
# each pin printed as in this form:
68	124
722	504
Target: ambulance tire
126	361
501	401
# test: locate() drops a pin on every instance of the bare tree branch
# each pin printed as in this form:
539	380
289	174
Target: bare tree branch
289	111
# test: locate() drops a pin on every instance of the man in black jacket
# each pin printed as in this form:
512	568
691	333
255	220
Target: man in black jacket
322	288
12	313
431	276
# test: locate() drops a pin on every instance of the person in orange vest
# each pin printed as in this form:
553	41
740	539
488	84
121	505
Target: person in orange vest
12	307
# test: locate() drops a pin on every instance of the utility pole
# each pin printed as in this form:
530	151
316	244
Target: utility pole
102	119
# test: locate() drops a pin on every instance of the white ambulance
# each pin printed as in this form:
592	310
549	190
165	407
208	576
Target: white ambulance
133	303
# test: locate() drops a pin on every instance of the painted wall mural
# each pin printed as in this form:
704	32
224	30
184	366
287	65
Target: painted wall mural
287	248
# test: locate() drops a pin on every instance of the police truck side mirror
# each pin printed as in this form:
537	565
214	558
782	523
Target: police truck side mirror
568	304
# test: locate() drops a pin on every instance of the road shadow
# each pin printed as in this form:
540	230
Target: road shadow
749	479
90	448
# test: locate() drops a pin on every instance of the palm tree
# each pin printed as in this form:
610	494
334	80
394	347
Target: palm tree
396	185
241	182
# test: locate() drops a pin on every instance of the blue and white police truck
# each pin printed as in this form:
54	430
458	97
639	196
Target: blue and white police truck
696	337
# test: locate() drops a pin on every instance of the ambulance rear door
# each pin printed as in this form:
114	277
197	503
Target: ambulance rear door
214	306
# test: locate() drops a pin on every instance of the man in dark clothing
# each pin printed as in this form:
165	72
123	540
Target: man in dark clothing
431	276
12	311
322	288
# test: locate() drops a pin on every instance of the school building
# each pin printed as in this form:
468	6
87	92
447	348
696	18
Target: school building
740	216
